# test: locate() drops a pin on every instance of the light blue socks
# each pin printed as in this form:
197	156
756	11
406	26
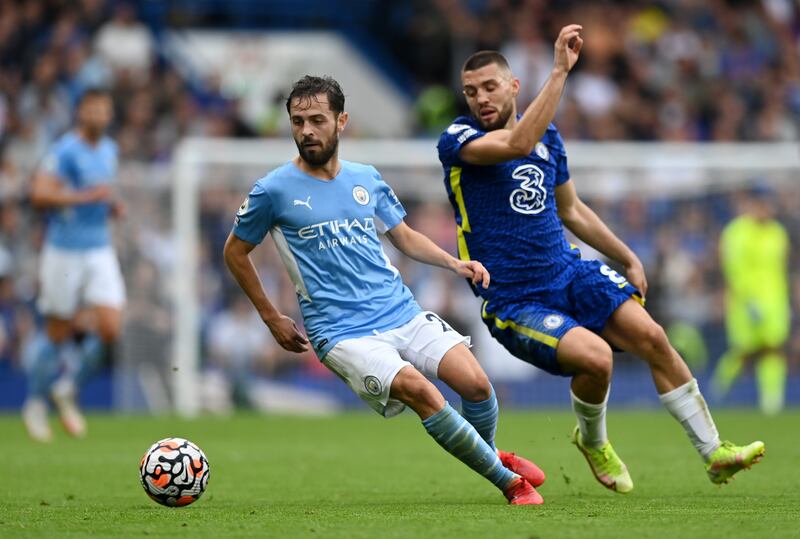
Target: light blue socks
41	365
483	416
90	357
461	440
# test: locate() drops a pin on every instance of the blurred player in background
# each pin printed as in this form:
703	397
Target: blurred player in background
79	268
512	196
325	215
754	251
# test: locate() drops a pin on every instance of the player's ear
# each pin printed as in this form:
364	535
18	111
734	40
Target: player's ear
514	87
342	121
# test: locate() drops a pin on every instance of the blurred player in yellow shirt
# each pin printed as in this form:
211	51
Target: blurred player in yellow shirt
754	251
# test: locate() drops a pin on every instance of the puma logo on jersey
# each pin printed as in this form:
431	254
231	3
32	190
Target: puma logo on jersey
306	203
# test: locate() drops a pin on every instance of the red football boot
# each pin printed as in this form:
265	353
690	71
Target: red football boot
520	492
522	466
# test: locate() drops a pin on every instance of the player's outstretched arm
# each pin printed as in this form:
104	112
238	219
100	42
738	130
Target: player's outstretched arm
422	249
47	191
283	328
588	227
503	145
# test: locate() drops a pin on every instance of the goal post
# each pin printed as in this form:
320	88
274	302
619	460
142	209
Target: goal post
411	167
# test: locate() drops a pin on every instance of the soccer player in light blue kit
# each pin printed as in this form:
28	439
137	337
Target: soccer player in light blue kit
325	215
78	266
509	184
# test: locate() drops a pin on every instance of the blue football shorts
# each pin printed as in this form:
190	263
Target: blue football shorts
531	327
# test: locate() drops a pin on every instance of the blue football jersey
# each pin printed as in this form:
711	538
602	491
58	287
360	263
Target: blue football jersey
327	236
80	165
506	213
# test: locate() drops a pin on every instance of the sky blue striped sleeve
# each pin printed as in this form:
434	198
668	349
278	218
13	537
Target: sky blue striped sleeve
388	207
255	217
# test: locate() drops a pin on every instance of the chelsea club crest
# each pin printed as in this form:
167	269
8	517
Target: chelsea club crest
541	151
552	321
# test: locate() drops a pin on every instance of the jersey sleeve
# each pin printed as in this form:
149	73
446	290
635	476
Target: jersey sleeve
255	217
389	212
453	139
560	155
57	163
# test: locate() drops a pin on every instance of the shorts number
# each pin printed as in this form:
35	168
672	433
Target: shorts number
431	317
612	275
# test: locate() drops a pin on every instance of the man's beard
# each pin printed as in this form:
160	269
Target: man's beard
93	131
322	154
500	122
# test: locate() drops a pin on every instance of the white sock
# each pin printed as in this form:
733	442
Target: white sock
687	405
591	420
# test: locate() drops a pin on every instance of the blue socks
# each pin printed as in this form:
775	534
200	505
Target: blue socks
41	365
43	362
460	439
483	416
90	356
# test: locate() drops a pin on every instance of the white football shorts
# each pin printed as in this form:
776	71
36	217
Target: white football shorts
369	364
70	279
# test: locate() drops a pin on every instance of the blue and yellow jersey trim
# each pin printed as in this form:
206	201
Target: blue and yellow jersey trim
531	333
463	218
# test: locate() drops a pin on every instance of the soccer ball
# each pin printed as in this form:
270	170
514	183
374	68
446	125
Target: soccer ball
174	472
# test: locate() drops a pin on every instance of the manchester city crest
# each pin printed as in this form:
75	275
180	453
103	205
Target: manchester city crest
372	385
361	195
244	206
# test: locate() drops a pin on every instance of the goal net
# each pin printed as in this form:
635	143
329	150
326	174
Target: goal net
668	201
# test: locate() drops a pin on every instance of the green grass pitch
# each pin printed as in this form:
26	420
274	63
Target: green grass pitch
357	475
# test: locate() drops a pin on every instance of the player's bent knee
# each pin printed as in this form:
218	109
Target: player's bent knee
600	367
656	342
479	388
483	391
598	361
413	389
108	334
59	331
109	330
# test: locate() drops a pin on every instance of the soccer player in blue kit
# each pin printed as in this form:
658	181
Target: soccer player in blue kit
324	214
511	191
78	266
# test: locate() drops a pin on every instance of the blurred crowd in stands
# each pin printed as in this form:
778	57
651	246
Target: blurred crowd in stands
707	70
721	70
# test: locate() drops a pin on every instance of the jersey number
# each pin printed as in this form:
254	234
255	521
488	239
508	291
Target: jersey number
530	196
430	317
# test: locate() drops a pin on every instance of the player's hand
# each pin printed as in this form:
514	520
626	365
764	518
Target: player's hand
474	271
118	209
635	274
288	336
98	193
568	47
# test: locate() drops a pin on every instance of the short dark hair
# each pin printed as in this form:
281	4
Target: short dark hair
484	58
90	93
310	86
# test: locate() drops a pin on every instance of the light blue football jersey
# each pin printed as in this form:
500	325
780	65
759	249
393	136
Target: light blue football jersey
80	165
327	236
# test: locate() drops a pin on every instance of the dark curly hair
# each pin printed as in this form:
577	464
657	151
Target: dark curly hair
310	86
